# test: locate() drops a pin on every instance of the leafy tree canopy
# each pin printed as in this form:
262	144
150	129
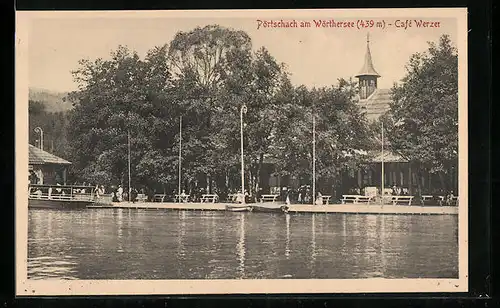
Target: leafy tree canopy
205	76
423	120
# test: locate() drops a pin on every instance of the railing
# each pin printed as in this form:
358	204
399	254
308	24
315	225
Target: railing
46	196
63	193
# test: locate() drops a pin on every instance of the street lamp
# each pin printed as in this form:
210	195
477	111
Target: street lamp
382	173
39	130
180	156
242	111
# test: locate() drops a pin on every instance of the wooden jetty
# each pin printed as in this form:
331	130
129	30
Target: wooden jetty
294	208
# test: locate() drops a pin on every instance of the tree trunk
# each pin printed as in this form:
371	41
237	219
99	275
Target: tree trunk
250	182
419	181
207	179
442	180
259	173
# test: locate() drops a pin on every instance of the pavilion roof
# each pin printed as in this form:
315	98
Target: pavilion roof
40	157
376	104
388	157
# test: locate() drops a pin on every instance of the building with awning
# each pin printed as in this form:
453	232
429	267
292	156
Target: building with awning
46	168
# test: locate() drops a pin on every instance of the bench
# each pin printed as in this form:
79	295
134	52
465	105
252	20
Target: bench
268	198
428	200
141	197
325	199
364	199
349	198
209	198
181	198
232	197
432	200
356	199
159	197
401	200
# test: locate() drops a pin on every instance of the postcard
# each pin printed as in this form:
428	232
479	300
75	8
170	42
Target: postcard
241	152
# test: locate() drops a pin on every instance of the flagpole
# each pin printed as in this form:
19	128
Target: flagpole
180	153
243	197
128	138
314	158
383	175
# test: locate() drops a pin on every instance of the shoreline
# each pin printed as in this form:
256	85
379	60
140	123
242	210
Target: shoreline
294	208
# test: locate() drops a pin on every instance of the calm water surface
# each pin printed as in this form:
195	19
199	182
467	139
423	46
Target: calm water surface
156	244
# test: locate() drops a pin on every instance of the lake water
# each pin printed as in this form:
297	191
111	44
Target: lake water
162	244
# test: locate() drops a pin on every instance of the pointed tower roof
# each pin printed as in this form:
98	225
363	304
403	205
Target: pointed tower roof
368	69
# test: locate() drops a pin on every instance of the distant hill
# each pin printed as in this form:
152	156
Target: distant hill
52	100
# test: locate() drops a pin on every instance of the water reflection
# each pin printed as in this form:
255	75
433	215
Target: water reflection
313	243
138	244
119	222
240	247
287	244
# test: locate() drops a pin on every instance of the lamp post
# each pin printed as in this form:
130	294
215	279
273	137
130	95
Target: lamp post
242	111
39	130
180	154
129	177
314	158
383	174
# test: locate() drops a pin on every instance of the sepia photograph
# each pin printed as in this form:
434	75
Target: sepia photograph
259	151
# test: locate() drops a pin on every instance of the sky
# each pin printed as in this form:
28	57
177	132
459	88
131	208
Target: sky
313	56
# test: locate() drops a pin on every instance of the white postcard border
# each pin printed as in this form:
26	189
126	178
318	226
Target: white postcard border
25	287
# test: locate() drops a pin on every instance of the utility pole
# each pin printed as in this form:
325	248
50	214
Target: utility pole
242	111
383	174
129	177
314	157
180	154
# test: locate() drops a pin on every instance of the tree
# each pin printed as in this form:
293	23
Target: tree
204	76
216	73
202	55
119	96
342	134
423	119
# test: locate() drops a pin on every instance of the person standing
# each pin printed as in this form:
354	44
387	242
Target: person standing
133	195
319	199
96	191
119	193
299	197
183	197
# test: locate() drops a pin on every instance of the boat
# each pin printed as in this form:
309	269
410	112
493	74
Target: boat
60	196
270	209
238	208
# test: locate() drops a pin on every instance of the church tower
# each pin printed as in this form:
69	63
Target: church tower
367	77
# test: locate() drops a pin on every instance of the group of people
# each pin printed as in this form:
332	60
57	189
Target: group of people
119	195
302	195
399	191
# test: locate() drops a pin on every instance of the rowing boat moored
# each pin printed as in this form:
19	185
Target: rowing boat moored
270	209
238	208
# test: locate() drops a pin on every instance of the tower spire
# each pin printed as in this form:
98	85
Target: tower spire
368	75
368	69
